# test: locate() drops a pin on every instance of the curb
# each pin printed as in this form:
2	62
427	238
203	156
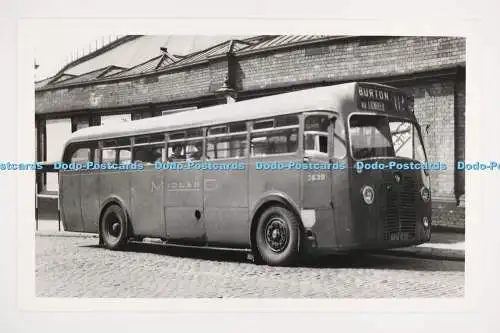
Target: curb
447	229
65	234
427	253
410	252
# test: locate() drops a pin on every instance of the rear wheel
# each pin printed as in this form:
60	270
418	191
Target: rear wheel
113	228
277	236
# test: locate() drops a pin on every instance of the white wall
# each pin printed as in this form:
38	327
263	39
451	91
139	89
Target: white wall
58	131
113	119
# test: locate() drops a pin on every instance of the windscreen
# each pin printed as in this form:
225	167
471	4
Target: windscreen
381	136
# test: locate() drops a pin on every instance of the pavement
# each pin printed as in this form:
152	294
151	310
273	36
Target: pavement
444	245
78	267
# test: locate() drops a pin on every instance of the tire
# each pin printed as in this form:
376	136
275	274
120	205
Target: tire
113	228
277	236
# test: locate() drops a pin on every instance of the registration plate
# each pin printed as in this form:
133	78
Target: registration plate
400	236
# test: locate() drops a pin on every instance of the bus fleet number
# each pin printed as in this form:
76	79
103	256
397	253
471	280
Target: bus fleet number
316	177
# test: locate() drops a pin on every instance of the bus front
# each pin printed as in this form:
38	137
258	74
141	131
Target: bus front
388	171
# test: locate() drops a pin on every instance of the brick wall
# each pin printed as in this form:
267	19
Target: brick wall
448	214
193	82
434	105
460	138
350	59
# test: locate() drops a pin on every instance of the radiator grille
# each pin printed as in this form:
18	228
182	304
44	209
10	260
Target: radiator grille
399	215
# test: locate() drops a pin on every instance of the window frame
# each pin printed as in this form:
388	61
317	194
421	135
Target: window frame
274	130
69	151
227	134
400	118
334	118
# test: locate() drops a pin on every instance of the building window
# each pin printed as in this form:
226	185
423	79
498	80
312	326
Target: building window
79	122
141	115
165	112
95	120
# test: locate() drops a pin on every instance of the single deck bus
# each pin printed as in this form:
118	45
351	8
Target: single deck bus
276	176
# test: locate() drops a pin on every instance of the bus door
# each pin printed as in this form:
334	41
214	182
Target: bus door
226	185
147	187
321	178
183	191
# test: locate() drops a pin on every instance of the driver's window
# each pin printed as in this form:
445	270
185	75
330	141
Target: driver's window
316	134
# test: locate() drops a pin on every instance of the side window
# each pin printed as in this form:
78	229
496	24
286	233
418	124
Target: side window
149	154
81	155
263	144
124	156
227	141
185	145
277	135
150	148
316	133
194	150
226	147
116	151
108	156
176	152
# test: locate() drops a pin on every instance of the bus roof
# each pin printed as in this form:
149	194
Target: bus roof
322	98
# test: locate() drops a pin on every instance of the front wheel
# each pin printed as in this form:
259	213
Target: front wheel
277	236
113	228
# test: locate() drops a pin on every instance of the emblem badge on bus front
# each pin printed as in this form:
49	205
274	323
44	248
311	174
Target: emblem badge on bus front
397	178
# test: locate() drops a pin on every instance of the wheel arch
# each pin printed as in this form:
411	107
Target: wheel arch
268	200
114	200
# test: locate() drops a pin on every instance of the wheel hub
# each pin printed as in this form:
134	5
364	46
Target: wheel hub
276	234
115	228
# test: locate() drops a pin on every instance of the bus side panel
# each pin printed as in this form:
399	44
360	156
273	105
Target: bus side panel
115	183
342	206
146	201
226	205
262	181
317	196
89	182
71	205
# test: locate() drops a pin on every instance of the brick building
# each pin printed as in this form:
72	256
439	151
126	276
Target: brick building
432	69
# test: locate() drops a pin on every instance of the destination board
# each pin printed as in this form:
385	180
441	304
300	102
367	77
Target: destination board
376	98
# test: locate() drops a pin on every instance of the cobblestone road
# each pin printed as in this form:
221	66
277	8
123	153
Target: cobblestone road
77	267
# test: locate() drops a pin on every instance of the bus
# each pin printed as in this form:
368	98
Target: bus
303	172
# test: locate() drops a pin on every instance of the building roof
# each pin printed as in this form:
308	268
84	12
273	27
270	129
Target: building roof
87	77
131	50
156	63
287	41
42	83
230	46
126	55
